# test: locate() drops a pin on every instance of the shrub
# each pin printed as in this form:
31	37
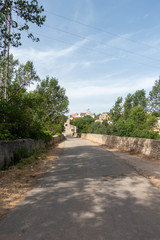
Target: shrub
43	135
6	135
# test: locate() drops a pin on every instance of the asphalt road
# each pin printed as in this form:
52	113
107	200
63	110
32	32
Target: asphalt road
89	194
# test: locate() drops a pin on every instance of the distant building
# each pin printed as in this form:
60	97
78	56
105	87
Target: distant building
88	113
74	116
104	116
82	114
69	129
99	120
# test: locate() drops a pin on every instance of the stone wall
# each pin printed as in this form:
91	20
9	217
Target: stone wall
144	146
9	148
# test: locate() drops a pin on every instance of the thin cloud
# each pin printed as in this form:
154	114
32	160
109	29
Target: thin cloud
89	91
36	55
121	39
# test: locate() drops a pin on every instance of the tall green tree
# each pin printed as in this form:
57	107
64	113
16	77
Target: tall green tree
30	114
21	76
137	124
10	29
24	76
17	112
116	112
16	116
140	124
140	99
27	11
154	97
128	104
52	103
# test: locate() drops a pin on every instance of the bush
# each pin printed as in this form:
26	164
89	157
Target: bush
6	135
43	135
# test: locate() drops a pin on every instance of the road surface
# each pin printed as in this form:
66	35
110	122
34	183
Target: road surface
89	194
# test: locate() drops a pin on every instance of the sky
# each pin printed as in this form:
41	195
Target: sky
98	50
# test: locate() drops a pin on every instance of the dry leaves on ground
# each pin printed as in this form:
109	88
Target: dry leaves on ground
18	179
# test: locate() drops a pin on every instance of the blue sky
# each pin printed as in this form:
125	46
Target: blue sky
97	49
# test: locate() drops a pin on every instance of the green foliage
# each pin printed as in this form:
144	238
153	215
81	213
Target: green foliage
129	119
20	77
83	123
154	97
38	114
10	31
28	11
52	104
156	114
98	128
133	121
128	104
138	124
44	135
116	111
57	134
16	115
25	75
134	100
139	98
6	135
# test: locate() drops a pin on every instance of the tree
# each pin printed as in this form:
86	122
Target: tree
154	97
52	103
128	104
24	76
116	112
21	76
139	124
28	11
134	122
31	114
11	71
16	116
16	113
139	98
83	123
99	128
10	29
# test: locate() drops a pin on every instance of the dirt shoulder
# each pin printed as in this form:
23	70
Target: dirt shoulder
19	179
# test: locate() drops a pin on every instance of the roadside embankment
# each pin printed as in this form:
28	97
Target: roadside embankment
148	147
10	151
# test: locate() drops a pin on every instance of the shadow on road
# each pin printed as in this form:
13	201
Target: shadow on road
89	194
